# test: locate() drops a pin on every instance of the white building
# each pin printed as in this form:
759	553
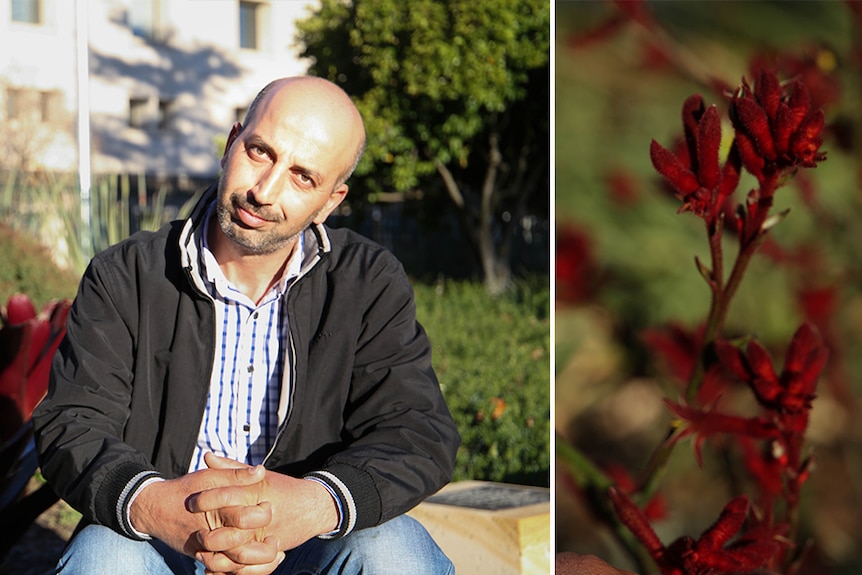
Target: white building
165	79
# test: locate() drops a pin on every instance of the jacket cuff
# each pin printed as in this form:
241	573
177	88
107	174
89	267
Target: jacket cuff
355	489
339	505
119	487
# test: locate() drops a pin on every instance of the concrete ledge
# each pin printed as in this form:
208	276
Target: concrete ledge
491	528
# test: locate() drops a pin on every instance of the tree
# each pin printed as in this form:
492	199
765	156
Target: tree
454	91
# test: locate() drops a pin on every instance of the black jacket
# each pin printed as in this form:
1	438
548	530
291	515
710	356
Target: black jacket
129	383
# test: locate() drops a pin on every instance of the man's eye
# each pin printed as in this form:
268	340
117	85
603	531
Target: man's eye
305	179
255	150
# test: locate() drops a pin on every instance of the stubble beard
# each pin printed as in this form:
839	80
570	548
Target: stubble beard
258	242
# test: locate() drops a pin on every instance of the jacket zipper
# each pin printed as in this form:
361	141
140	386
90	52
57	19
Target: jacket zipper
292	350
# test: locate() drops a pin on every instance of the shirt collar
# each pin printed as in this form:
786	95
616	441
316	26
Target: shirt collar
211	272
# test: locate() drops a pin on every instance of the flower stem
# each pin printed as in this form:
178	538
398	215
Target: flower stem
717	308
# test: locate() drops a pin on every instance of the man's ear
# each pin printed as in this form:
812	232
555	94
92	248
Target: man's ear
231	138
335	198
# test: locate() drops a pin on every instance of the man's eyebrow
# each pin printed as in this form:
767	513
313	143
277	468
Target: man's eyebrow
313	174
257	141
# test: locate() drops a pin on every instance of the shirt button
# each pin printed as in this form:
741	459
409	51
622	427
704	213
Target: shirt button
246	428
250	369
255	315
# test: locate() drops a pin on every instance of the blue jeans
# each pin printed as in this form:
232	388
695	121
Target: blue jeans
400	546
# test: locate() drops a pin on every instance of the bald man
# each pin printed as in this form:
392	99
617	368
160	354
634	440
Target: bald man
248	391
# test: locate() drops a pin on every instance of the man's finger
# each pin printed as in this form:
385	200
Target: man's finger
214	461
261	569
255	553
219	498
216	563
224	538
249	559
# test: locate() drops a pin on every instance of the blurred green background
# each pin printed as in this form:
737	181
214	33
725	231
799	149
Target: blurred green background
621	78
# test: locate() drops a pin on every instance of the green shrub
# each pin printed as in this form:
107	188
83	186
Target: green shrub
26	266
492	356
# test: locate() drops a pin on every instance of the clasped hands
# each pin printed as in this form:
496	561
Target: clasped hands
233	517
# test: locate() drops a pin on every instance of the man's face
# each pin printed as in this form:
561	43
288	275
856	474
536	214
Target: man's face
280	174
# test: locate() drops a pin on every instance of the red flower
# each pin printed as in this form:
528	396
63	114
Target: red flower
678	349
706	422
696	174
676	346
776	129
622	186
792	392
655	508
712	553
27	345
576	268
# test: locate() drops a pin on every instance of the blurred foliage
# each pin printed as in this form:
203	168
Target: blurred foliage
492	356
26	267
47	207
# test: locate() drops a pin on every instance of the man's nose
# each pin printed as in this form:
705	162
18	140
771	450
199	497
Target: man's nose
268	187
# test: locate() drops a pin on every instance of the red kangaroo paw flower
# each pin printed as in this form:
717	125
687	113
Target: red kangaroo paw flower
753	121
703	423
731	359
677	175
751	158
27	345
799	102
728	523
806	358
19	309
637	522
692	111
763	376
785	125
792	392
781	129
576	266
768	91
695	171
708	142
710	554
806	142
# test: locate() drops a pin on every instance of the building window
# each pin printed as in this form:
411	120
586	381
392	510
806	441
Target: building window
49	106
13	103
165	113
137	112
35	106
248	25
29	11
145	20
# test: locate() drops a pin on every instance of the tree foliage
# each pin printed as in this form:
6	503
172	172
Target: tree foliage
437	83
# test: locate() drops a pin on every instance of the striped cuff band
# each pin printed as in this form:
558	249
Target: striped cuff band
347	505
127	497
